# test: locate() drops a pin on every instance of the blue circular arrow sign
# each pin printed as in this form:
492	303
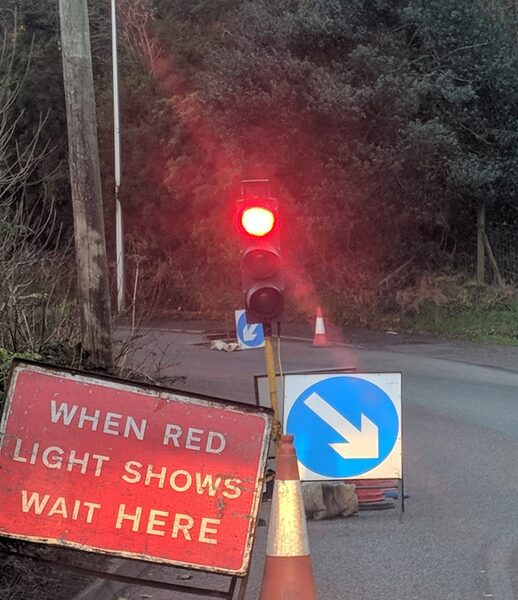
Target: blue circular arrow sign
343	426
250	335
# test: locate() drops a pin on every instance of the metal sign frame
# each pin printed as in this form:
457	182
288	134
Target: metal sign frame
262	399
236	409
127	579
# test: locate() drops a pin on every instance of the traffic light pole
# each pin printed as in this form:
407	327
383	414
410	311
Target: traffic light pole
261	271
272	382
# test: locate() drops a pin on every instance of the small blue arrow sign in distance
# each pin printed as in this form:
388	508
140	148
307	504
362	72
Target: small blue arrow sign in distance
249	335
344	426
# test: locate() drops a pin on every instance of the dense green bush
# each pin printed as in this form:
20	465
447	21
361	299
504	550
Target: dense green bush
381	125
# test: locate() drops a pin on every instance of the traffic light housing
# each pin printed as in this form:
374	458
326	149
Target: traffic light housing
261	266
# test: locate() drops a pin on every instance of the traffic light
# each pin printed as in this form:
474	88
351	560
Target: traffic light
259	227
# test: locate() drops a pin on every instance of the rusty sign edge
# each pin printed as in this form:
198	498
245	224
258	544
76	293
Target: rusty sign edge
134	386
158	392
120	554
13	375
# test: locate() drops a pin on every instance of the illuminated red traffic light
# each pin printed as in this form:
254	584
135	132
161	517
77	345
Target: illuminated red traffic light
257	221
261	264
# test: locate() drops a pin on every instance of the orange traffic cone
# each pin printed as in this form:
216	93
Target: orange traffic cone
320	338
287	571
372	495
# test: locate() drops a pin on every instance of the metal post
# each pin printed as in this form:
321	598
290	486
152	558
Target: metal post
401	497
272	382
119	227
481	232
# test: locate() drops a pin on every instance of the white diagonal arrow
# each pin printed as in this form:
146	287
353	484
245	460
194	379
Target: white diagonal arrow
249	333
361	443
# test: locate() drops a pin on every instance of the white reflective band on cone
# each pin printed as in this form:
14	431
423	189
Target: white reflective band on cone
319	326
287	535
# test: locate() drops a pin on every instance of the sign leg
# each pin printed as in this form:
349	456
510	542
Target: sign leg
242	588
401	496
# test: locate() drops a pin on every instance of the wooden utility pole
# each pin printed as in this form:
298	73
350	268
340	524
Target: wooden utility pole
85	178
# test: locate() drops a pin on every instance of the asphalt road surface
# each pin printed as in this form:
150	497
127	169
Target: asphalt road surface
459	537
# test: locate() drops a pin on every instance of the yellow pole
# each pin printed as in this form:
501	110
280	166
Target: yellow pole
272	384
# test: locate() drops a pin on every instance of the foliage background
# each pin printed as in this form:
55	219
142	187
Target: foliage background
381	125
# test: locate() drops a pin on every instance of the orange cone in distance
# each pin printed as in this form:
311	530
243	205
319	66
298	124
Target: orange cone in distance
288	574
320	338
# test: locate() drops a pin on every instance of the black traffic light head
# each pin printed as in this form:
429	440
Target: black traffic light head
261	269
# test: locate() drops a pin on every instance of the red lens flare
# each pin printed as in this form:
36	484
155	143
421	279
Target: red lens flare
257	221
